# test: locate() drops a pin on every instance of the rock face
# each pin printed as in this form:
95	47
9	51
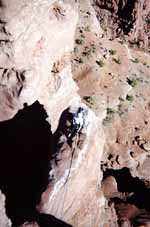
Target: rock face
125	19
27	43
66	191
4	221
35	64
81	139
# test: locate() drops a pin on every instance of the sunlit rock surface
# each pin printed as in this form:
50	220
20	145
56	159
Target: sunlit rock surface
4	221
35	37
78	199
58	53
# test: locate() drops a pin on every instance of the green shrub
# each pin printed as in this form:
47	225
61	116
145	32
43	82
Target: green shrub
121	41
132	82
79	41
109	115
112	52
86	53
110	111
121	99
87	28
129	98
82	36
93	48
100	63
80	61
135	60
89	99
117	60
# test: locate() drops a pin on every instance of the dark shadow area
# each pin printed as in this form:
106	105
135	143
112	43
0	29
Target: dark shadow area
132	201
2	4
127	183
125	14
24	165
61	130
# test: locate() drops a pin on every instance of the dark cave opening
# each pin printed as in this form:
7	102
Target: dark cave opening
135	205
24	165
127	183
125	14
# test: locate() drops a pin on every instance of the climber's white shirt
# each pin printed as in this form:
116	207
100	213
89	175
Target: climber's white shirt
79	119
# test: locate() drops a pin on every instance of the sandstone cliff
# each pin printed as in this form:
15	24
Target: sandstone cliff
36	40
74	113
129	20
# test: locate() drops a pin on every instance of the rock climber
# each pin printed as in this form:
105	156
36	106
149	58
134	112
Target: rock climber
77	122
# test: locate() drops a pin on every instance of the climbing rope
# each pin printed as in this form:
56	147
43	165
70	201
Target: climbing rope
68	175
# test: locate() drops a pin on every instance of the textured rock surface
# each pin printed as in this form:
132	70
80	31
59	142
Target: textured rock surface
128	19
34	37
113	80
31	224
36	40
4	221
63	198
56	52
